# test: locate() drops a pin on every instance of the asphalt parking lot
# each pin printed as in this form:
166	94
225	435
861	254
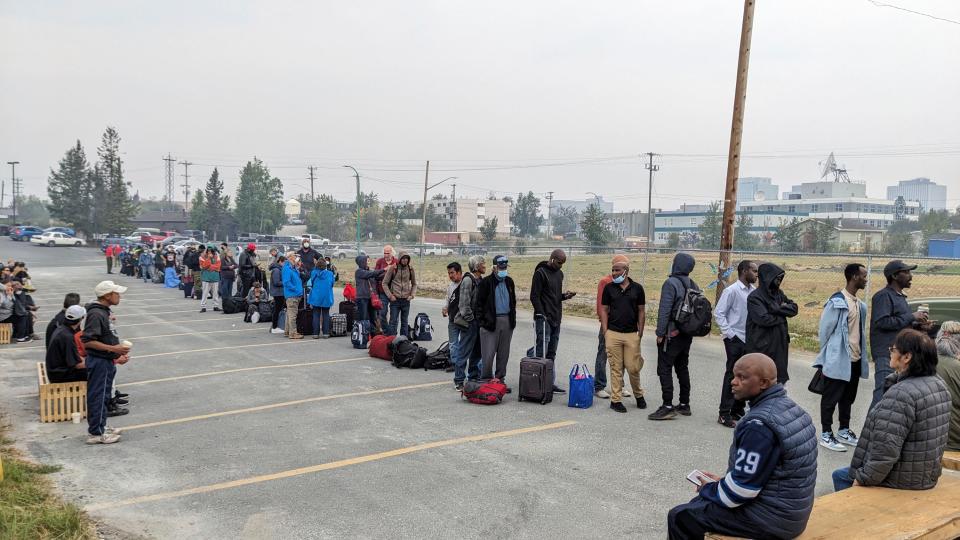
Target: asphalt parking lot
237	433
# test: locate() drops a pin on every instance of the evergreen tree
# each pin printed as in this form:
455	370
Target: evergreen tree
259	200
743	239
709	230
525	214
931	224
787	236
198	211
594	227
70	191
489	229
117	209
824	236
565	219
673	240
327	220
217	206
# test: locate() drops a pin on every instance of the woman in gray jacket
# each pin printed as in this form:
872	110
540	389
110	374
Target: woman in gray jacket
906	431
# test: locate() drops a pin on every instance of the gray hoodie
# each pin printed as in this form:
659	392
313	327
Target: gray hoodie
673	291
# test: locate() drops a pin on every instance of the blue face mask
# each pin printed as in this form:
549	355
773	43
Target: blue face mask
501	274
619	279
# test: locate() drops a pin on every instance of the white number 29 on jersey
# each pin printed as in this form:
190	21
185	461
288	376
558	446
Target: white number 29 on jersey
752	460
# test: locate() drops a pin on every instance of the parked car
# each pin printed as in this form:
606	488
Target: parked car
472	249
24	232
4	230
316	240
196	234
114	241
434	249
181	246
342	251
65	230
51	239
174	239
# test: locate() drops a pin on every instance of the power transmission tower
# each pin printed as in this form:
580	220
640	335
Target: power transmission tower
549	214
186	184
169	193
650	223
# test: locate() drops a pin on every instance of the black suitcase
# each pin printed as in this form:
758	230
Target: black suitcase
349	309
536	375
304	319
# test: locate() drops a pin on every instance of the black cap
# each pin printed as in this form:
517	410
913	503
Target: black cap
895	266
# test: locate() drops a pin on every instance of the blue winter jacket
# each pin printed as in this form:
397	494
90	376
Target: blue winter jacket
834	355
292	286
321	293
146	259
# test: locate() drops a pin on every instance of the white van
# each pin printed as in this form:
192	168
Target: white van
316	239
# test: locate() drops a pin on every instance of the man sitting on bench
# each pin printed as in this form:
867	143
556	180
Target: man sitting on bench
64	363
772	469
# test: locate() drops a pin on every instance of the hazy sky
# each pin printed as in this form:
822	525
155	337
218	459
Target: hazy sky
386	85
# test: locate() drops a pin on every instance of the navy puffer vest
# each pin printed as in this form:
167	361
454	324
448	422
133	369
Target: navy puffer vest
785	503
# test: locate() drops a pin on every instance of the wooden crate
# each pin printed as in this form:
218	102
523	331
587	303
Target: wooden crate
6	333
58	401
951	460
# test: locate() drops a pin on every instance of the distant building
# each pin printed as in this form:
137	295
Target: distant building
929	194
624	224
292	208
165	220
756	188
849	235
581	205
468	215
945	246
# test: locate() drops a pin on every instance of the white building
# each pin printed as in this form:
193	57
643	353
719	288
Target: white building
292	208
582	205
929	194
756	188
468	215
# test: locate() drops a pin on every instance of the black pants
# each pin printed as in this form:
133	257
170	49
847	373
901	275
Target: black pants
246	283
735	348
279	304
19	325
699	516
839	392
675	355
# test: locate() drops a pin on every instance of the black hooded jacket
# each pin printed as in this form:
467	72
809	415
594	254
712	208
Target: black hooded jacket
546	292
672	293
98	327
767	312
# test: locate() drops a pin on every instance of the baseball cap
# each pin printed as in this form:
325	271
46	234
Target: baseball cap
106	287
501	261
251	245
75	313
895	266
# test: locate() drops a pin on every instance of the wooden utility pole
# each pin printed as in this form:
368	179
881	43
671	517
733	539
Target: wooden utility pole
736	134
423	222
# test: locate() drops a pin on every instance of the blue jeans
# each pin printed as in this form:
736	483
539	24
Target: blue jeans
226	287
600	368
146	272
318	314
880	371
100	374
842	479
552	339
466	356
382	312
401	307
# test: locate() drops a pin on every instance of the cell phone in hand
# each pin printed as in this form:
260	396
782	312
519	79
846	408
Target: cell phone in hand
697	478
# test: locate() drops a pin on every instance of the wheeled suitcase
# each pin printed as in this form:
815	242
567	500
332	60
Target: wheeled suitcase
536	375
349	309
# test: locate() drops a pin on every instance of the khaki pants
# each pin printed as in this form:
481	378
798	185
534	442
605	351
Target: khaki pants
291	325
623	351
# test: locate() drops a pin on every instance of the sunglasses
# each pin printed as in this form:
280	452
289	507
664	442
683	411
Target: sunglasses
892	348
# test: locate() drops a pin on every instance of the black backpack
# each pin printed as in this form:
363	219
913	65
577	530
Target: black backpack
438	359
694	315
405	352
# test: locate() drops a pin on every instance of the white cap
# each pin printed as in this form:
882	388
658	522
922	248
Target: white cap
75	313
106	287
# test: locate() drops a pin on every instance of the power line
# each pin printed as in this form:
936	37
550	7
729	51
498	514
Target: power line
881	4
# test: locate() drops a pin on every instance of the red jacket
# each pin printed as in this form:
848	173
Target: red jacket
109	251
382	265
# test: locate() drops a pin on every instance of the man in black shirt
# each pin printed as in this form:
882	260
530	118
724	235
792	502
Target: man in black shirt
104	352
621	321
71	299
63	360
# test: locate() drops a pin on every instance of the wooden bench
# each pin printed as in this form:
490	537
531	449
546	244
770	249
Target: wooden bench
878	513
951	460
58	401
6	333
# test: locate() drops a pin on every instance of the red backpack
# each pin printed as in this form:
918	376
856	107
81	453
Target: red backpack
484	392
380	347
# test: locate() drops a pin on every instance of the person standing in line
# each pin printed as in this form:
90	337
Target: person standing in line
228	272
104	353
889	314
400	284
731	317
108	253
248	268
547	297
948	369
366	283
321	297
600	367
307	256
146	265
768	309
117	250
292	294
496	312
843	342
469	351
384	263
276	291
621	321
210	277
451	307
673	346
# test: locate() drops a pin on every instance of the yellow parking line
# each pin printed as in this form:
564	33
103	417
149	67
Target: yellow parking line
139	338
239	370
285	341
281	404
328	466
195	320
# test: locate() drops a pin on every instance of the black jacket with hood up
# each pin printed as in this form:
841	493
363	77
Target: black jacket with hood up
546	292
672	293
767	312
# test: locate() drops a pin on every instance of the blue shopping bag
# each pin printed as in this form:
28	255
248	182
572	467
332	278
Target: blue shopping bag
581	387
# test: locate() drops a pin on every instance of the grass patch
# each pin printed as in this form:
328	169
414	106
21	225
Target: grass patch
29	509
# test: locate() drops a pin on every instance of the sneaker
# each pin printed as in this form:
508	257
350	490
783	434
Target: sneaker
684	409
112	430
558	390
602	394
641	403
34	337
296	336
325	336
828	441
120	401
726	421
458	387
663	413
216	309
277	331
106	438
117	411
617	406
119	394
316	336
255	318
626	391
24	339
203	310
847	436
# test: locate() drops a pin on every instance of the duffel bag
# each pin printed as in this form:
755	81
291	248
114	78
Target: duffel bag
380	347
484	392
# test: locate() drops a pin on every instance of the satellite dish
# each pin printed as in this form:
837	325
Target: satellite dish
760	196
828	166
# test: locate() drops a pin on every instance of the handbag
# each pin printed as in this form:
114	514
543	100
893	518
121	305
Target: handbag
818	384
580	394
375	299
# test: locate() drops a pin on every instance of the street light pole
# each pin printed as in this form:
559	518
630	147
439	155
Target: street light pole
357	176
650	222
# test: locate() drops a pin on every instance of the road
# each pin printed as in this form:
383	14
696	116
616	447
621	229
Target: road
237	433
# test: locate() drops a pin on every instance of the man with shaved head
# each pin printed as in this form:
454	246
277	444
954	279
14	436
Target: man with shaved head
771	470
546	295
